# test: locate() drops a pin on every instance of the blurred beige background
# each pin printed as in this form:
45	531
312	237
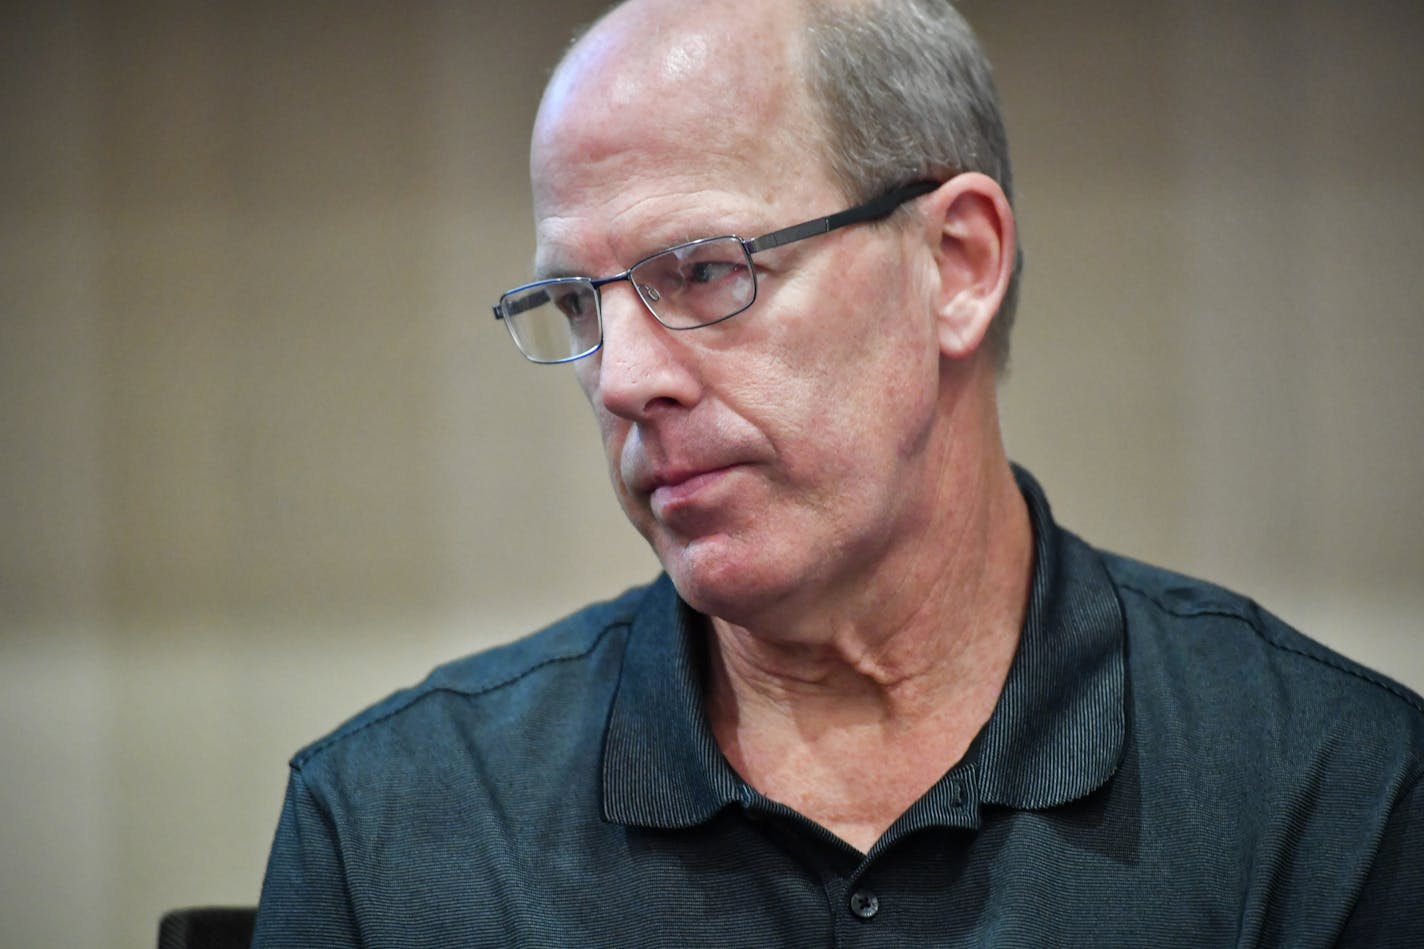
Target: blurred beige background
264	455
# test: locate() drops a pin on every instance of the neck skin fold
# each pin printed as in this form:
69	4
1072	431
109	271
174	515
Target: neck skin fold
901	672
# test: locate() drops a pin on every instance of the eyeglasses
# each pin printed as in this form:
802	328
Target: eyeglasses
685	286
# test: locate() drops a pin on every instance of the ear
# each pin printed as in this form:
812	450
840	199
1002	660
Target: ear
971	229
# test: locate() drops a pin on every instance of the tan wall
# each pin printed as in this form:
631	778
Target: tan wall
266	457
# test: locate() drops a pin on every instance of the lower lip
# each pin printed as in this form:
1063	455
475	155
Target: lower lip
670	496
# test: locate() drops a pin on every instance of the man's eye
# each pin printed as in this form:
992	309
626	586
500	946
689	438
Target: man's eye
708	271
572	304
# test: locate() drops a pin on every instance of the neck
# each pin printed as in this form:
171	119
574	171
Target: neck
897	672
903	646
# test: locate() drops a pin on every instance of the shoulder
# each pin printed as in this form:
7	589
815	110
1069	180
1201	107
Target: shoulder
1213	656
1201	615
536	680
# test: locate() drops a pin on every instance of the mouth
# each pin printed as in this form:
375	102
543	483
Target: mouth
672	490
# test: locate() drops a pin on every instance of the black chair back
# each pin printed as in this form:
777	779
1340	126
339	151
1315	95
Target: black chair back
207	927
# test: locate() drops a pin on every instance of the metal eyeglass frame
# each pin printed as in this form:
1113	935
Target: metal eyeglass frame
874	210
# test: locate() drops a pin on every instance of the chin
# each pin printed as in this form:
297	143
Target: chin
723	579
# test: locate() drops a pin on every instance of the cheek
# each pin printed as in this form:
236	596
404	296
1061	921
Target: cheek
883	335
611	429
586	371
888	375
831	370
614	433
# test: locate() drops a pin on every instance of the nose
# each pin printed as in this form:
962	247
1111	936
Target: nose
642	366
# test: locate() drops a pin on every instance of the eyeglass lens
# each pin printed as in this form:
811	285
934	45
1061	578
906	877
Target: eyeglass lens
553	321
696	284
686	286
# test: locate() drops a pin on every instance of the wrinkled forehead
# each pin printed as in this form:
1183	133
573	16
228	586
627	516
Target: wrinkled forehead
717	78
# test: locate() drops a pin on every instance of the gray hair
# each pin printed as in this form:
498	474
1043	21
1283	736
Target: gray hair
905	92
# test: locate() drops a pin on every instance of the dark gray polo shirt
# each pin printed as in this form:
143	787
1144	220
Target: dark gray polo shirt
1168	765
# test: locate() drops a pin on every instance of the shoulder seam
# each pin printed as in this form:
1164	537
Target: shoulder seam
420	692
1241	616
1414	784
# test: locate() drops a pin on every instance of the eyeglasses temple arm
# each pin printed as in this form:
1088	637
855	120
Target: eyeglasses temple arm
515	307
874	210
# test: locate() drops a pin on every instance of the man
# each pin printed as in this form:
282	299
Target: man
878	697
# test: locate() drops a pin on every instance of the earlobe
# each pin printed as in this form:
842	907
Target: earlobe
973	234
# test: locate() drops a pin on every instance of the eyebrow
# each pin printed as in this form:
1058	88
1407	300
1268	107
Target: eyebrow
552	272
560	270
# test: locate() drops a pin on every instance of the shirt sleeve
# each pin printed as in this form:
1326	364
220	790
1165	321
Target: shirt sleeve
305	900
1390	910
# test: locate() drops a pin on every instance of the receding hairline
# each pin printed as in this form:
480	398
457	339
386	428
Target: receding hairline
780	59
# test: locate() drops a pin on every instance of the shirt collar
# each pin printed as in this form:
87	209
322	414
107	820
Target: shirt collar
661	764
1055	735
1057	731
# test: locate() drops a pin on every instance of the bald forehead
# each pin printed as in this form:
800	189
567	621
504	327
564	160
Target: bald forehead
671	42
673	39
740	58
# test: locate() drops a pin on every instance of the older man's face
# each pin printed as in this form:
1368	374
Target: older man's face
783	451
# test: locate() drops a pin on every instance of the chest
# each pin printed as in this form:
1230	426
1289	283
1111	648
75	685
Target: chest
1089	878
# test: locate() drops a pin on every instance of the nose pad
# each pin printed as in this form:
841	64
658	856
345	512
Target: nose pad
628	322
649	292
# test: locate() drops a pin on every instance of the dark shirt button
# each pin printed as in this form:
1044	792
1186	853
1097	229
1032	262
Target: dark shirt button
956	793
863	904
